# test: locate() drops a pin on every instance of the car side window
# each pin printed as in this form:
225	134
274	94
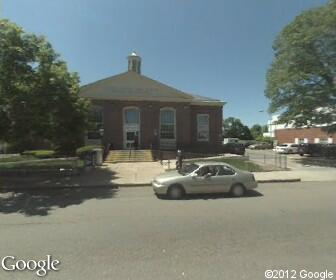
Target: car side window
225	170
203	171
206	170
213	170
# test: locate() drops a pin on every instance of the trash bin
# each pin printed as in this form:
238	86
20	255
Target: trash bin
98	156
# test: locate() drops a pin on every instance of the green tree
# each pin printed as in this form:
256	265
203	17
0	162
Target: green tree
39	99
256	131
233	128
265	128
301	82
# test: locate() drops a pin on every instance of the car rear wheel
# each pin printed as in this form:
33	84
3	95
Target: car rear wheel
176	192
237	190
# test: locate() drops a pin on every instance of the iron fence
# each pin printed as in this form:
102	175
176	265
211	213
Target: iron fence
268	158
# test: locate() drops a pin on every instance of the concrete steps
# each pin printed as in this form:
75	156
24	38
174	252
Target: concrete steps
129	156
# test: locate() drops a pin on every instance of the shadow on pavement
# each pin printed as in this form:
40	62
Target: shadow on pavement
248	194
41	202
93	177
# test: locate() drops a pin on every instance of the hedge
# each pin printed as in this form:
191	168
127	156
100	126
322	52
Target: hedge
87	150
40	153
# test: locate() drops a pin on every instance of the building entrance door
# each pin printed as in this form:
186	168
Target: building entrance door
131	127
131	137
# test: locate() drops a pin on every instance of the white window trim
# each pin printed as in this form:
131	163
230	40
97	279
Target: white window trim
174	111
197	119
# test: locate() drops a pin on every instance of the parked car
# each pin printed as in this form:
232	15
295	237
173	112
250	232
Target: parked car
204	177
230	140
287	148
233	148
261	146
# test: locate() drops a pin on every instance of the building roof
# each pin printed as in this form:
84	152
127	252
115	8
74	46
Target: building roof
131	86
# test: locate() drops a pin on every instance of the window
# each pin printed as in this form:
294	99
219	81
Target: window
323	141
132	116
215	170
225	170
96	115
202	127
203	171
95	123
94	135
300	140
167	124
188	168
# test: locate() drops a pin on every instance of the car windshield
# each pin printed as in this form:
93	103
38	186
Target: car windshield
188	168
283	145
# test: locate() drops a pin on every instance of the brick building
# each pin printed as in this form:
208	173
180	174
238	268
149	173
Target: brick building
131	108
287	133
304	135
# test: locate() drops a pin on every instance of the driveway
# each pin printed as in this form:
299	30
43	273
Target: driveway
130	234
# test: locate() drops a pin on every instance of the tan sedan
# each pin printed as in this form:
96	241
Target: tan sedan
204	177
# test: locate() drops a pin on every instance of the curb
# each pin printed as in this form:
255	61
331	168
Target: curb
117	186
279	180
55	187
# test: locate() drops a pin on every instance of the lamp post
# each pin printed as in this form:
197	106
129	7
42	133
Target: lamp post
269	122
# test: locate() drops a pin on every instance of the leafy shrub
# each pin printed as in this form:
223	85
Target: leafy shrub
321	150
84	151
40	153
264	139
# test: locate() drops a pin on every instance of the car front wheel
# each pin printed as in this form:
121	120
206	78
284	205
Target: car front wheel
176	192
237	190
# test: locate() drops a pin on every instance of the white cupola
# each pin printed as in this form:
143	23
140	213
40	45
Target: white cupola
134	63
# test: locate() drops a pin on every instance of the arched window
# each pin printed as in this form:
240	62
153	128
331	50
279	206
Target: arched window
131	115
167	123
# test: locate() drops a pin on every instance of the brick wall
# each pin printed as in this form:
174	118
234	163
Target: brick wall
289	135
186	124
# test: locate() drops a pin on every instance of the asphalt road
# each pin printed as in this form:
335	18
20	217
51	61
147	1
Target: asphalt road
130	234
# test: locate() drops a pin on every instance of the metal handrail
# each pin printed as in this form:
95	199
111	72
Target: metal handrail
130	152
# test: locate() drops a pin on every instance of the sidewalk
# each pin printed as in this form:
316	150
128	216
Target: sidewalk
141	174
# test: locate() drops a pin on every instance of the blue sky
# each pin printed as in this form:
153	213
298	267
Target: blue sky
216	48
